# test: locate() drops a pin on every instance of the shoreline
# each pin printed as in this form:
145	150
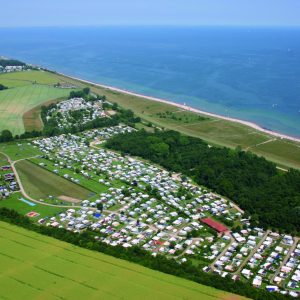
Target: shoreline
187	108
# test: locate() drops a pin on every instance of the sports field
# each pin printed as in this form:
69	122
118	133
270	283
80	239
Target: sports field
38	267
40	183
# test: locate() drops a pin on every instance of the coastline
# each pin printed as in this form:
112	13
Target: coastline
187	108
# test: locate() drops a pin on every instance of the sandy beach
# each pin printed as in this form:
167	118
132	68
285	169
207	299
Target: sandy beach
188	108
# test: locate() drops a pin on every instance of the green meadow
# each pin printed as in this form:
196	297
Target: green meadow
19	150
40	183
28	91
15	102
14	202
39	267
17	79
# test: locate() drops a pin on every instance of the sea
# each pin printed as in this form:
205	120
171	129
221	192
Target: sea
250	73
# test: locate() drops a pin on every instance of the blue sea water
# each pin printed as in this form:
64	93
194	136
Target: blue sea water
248	73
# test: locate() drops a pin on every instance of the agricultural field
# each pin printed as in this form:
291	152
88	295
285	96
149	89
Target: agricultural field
15	102
40	183
44	268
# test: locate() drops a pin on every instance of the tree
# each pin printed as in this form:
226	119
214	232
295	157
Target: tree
100	206
6	136
86	90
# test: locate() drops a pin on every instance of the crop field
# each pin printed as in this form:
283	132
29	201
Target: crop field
14	202
38	267
15	102
40	183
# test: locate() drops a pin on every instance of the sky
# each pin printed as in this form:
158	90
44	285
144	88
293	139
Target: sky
30	13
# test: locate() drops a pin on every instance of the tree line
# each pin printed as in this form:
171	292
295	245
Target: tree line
137	255
11	62
271	197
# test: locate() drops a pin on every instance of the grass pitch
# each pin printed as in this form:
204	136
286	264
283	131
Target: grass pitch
40	183
38	267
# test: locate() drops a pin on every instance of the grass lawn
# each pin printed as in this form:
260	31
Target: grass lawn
40	183
39	267
23	208
19	150
278	149
15	102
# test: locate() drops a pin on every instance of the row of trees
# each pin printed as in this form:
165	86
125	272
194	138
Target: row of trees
141	257
272	198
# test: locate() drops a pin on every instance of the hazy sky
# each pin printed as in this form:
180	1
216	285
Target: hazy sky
149	12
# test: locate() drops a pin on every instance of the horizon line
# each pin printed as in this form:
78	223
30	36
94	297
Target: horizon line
155	25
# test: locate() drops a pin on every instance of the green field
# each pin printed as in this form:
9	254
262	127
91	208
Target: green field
17	79
38	267
40	183
15	102
19	150
23	208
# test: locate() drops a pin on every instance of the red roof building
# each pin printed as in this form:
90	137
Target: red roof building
214	225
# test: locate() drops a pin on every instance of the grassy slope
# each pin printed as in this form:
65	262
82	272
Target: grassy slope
216	131
40	183
38	267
